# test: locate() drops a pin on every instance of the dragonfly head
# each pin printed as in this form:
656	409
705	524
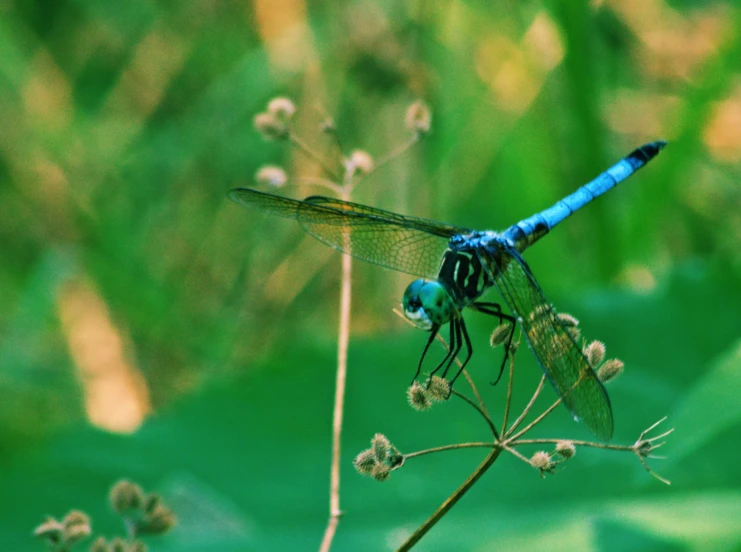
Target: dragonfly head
427	303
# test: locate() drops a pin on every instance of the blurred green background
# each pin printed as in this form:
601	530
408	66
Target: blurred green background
151	329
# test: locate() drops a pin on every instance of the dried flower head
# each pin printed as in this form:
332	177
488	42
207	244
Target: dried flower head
50	529
418	118
270	126
151	502
542	462
365	462
595	353
565	449
567	320
137	546
610	370
282	108
76	526
75	517
500	334
417	397
380	472
359	161
99	545
380	446
118	545
158	522
438	389
126	495
271	175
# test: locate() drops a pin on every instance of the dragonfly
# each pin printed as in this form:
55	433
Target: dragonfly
457	265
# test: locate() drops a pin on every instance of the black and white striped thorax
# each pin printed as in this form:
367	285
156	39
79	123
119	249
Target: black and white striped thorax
461	270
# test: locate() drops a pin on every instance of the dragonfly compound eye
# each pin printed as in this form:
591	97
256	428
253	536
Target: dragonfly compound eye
436	302
413	307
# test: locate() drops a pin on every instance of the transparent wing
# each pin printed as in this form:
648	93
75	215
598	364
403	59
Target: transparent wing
559	355
408	244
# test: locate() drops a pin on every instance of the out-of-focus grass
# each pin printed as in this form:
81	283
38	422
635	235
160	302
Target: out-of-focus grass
128	281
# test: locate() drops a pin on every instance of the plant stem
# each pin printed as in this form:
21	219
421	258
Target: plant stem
451	501
296	141
480	410
339	402
536	421
448	447
525	412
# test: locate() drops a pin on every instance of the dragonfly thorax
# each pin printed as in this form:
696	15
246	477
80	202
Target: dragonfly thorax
428	304
462	272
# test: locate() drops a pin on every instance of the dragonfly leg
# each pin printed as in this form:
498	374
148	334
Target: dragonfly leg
494	309
469	349
452	351
454	327
433	334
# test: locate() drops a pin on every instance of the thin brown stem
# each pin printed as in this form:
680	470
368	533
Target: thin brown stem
529	406
397	152
483	413
481	407
475	390
343	341
297	142
449	447
536	421
517	455
450	501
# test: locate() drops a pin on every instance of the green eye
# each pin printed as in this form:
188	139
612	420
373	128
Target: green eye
427	304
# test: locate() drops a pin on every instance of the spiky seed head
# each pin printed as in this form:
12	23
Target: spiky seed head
119	545
270	126
160	521
438	389
137	546
271	175
99	545
126	495
380	446
500	334
365	462
76	517
610	370
395	460
417	397
574	332
418	118
151	502
595	353
566	449
76	526
50	529
542	462
359	161
567	320
76	533
380	472
282	108
540	459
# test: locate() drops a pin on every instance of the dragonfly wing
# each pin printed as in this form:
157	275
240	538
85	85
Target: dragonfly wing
408	244
559	355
